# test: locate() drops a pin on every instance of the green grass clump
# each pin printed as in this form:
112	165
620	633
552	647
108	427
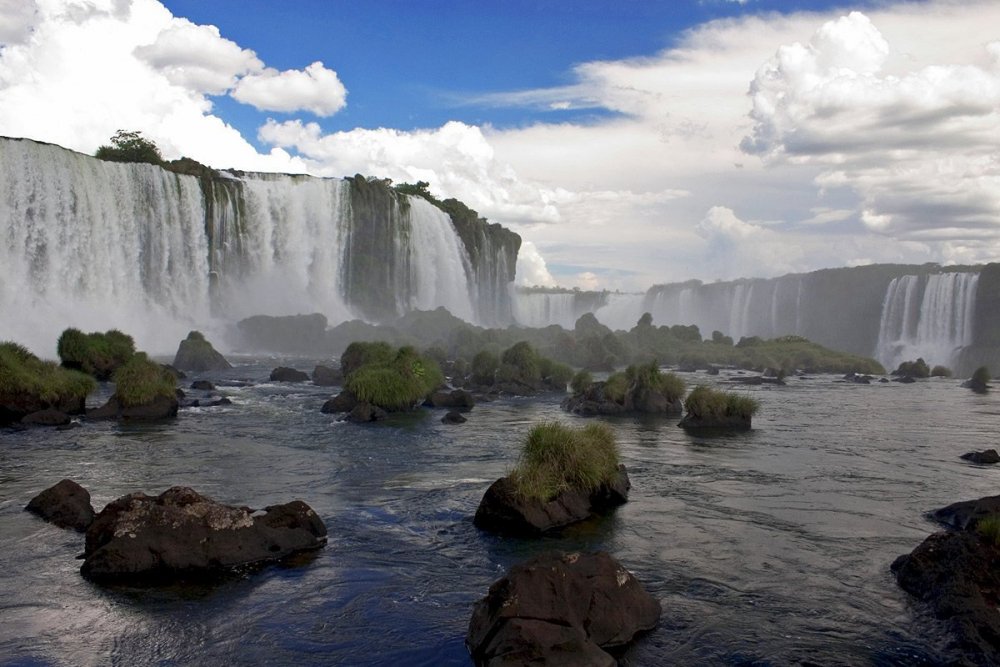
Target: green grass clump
24	374
941	372
989	528
141	380
555	374
360	353
97	354
581	382
712	404
558	458
643	377
397	383
981	375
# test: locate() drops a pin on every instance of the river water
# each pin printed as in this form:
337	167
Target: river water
770	547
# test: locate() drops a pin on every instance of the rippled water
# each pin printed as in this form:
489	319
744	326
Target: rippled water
770	547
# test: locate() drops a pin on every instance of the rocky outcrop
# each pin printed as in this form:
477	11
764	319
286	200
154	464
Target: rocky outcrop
196	354
286	374
342	402
203	385
716	423
67	505
957	572
595	401
560	609
362	413
985	457
47	417
161	407
298	334
327	376
182	534
457	398
502	510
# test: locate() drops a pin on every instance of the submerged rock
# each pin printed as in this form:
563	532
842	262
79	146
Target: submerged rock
985	457
181	533
203	385
66	504
503	510
457	398
47	417
560	609
286	374
453	417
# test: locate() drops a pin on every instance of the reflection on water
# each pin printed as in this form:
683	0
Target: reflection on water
767	547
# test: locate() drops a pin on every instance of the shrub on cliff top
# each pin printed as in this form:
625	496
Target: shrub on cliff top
140	381
397	383
22	373
130	146
97	354
558	458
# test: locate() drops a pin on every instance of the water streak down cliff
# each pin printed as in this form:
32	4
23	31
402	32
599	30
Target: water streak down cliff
156	251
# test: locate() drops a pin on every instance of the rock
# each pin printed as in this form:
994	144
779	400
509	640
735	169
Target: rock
985	457
362	413
905	379
976	385
326	376
179	374
963	515
67	505
457	398
593	401
727	423
560	609
162	407
181	534
285	374
858	379
503	511
342	402
957	573
47	417
196	354
453	417
203	385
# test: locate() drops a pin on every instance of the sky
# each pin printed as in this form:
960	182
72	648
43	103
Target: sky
628	142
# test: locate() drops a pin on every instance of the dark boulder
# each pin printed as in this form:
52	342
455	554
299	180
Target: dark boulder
457	398
502	510
342	402
182	534
362	413
560	609
905	379
286	374
963	515
47	417
326	376
196	354
67	505
453	417
595	401
716	423
161	407
179	374
985	457
203	385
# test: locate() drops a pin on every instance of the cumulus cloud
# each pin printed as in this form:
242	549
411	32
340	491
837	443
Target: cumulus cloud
197	57
531	268
16	17
315	89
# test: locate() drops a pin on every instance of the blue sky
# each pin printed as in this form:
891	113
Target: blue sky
629	143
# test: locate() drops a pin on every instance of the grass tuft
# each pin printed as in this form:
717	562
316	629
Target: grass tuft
21	372
712	404
141	380
96	354
393	382
989	528
558	458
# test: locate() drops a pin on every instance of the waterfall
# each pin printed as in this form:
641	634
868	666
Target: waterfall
926	316
621	312
100	245
540	309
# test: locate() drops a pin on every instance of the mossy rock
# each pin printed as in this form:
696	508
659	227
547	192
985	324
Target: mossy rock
96	354
196	354
29	385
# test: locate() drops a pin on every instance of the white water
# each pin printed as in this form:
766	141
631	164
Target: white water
622	311
927	316
541	309
98	245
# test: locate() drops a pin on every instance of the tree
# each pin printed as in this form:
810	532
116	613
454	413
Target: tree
130	146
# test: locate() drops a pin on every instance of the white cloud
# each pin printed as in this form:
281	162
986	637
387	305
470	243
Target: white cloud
316	89
198	58
16	17
531	268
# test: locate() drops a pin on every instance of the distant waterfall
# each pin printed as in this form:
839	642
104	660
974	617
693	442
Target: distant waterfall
97	245
540	309
927	316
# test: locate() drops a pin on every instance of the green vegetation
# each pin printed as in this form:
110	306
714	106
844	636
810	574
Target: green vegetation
989	528
558	458
941	372
360	353
418	189
130	146
23	374
393	383
580	382
637	379
707	404
97	354
981	375
914	369
141	381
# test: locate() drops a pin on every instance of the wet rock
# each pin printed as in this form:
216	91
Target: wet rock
560	609
362	413
504	511
161	407
182	534
196	354
345	401
453	417
985	457
203	385
179	374
457	398
326	376
47	417
716	423
285	374
963	515
67	505
905	379
594	401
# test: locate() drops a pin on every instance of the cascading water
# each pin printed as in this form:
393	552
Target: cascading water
927	316
541	309
155	253
98	245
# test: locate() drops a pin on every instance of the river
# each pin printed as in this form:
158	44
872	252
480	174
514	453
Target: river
770	547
